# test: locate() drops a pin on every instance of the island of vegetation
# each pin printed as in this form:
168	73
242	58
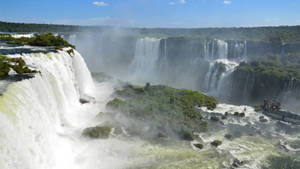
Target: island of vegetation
169	111
16	64
47	39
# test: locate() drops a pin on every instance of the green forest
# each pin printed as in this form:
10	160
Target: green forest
285	33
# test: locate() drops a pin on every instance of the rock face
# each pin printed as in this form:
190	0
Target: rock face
253	87
273	109
190	62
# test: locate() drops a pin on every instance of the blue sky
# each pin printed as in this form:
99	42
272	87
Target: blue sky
154	13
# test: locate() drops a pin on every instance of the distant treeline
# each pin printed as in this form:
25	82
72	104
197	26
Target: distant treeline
285	33
24	27
289	34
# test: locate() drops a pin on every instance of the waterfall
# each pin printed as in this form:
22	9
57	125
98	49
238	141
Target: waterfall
216	49
290	95
41	117
219	52
144	64
222	49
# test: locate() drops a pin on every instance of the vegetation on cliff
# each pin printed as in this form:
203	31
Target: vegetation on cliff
47	39
16	64
102	132
169	110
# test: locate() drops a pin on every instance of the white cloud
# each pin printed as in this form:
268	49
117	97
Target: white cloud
100	3
182	1
179	2
226	2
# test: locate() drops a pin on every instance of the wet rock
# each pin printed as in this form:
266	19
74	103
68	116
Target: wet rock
237	163
214	118
263	119
83	101
86	99
228	136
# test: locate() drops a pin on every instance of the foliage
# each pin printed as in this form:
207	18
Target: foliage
102	132
70	51
199	145
239	114
269	78
284	33
187	135
258	108
22	27
4	66
17	64
216	143
168	109
115	104
47	39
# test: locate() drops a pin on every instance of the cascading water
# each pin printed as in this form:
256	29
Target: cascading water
144	64
41	119
289	95
222	58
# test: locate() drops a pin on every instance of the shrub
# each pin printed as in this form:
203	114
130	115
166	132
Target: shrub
239	114
102	132
4	69
242	114
17	64
224	117
257	108
147	87
198	145
161	134
70	51
187	135
47	39
216	143
115	104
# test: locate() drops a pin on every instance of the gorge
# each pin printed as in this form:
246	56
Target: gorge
44	116
216	67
